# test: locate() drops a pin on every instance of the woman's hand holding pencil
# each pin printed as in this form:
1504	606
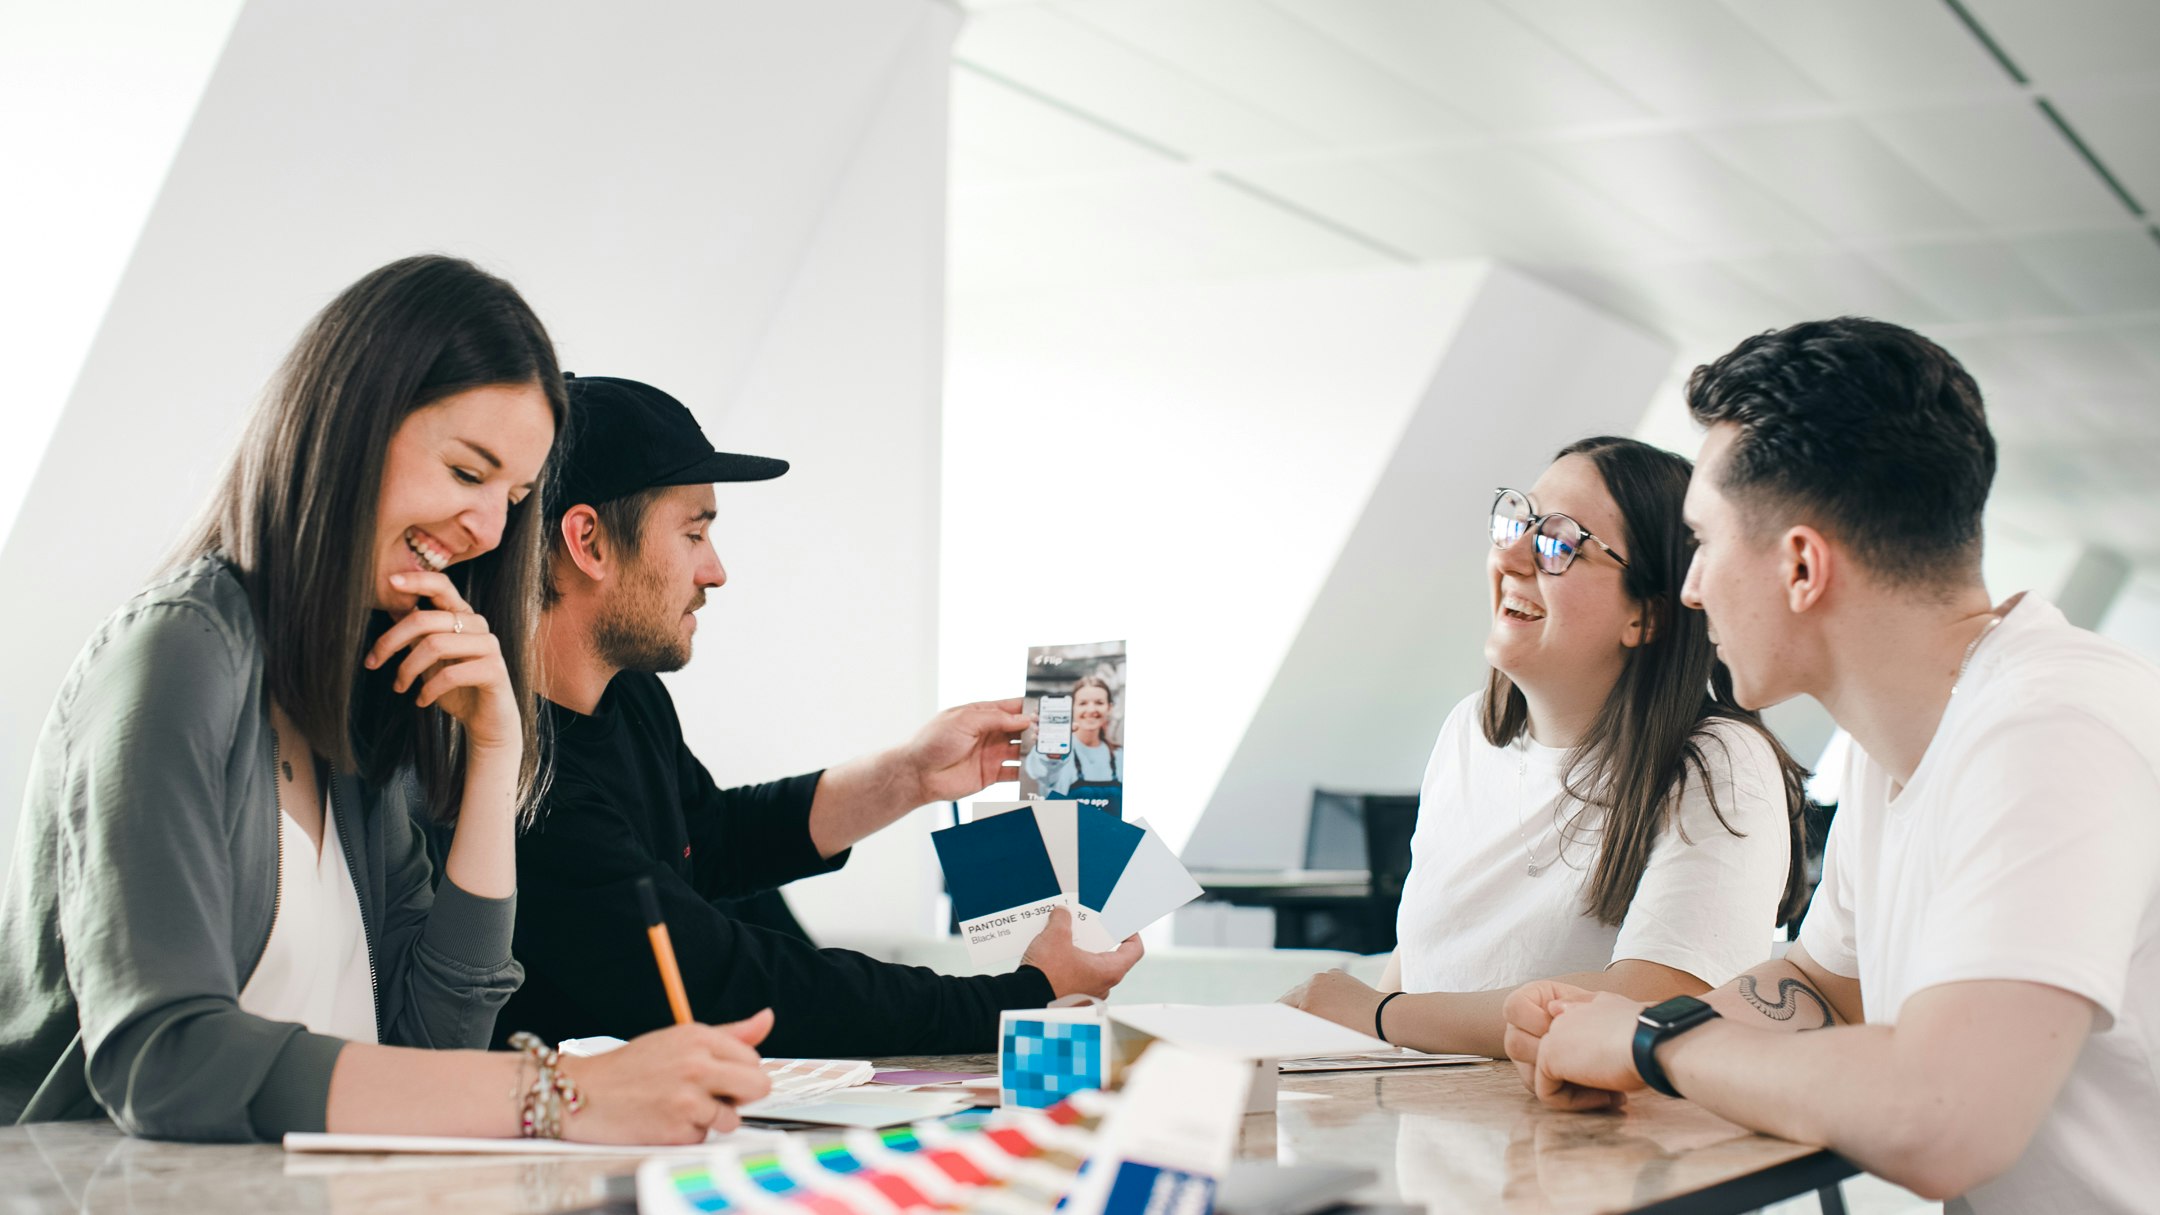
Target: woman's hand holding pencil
672	1085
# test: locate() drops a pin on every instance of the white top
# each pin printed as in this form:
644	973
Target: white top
2027	847
1474	919
315	968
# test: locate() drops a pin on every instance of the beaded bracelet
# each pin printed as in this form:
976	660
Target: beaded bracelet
541	1104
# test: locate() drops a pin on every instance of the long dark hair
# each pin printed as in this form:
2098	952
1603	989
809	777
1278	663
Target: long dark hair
1647	741
295	511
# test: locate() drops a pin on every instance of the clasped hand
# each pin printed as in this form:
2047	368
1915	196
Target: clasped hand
1573	1048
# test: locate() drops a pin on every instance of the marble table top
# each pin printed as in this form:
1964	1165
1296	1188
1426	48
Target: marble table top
1447	1139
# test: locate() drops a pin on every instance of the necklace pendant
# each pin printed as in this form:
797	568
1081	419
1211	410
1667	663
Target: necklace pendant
1536	869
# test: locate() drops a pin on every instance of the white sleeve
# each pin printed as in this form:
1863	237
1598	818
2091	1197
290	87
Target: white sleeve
1827	931
1708	899
2054	864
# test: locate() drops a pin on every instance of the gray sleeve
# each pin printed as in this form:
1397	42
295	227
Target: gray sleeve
445	961
147	901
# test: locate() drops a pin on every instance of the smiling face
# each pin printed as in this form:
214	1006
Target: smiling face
1091	713
453	470
1737	579
647	618
1563	632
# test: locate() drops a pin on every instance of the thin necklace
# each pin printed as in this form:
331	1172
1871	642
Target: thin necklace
1966	661
1522	766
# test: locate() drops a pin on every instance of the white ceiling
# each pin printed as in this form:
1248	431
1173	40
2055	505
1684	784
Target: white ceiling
1706	167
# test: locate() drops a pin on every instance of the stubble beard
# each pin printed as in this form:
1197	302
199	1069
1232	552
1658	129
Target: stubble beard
639	629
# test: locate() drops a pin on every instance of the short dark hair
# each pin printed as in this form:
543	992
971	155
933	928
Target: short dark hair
295	512
1874	431
622	520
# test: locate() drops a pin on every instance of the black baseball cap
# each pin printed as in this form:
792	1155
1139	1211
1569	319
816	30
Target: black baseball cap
626	437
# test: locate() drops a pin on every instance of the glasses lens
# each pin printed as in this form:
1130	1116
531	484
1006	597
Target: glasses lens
1510	515
1559	538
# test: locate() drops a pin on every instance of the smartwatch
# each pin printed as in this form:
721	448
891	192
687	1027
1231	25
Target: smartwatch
1659	1022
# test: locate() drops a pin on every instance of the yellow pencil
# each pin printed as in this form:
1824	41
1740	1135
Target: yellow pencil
663	951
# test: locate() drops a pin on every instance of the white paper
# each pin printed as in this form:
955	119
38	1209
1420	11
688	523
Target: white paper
870	1108
1153	885
796	1080
1002	937
1244	1031
1374	1061
441	1145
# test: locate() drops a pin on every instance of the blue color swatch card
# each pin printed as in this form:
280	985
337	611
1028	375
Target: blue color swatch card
1106	844
1002	883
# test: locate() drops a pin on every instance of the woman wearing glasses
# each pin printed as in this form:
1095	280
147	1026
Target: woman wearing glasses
1602	810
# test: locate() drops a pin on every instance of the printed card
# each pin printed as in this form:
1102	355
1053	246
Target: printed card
1002	883
1153	885
1059	823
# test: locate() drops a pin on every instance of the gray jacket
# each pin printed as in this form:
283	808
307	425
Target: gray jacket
145	882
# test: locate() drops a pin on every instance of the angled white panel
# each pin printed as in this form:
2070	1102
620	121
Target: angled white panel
1839	174
1363	196
1836	283
1873	50
650	204
1971	280
2116	121
1155	228
2064	41
1274	63
2003	162
2098	272
1001	133
1394	636
1476	57
1534	211
1086	69
1682	58
1690	195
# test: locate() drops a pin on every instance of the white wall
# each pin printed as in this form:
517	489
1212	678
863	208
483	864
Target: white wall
1394	637
97	94
690	194
1175	465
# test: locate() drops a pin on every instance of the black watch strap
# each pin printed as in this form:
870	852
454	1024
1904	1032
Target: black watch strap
1658	1023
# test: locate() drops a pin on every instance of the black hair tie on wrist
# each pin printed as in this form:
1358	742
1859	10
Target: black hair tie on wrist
1377	1031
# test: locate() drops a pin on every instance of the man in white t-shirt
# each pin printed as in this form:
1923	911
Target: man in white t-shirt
1983	955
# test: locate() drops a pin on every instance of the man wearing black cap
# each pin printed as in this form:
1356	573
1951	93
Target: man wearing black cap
630	567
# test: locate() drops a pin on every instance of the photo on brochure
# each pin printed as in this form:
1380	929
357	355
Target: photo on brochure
1076	749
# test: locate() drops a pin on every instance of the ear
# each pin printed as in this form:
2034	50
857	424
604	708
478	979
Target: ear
580	532
1807	565
1643	628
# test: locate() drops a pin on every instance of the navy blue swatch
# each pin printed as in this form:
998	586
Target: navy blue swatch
1106	845
996	864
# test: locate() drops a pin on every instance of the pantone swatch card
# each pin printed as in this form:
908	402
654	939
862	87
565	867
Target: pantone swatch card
1106	844
1002	883
1153	885
1059	822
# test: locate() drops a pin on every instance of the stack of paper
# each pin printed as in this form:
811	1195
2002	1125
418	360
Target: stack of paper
1015	862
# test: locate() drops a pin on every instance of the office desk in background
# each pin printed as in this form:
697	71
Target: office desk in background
1306	902
1465	1139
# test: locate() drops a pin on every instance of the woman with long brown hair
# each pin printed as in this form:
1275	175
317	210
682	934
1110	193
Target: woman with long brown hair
221	922
1602	810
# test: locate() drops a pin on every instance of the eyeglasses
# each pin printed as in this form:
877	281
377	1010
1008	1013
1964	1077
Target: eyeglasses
1558	540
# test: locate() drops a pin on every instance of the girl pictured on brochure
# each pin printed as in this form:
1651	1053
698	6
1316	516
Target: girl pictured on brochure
1601	810
1076	749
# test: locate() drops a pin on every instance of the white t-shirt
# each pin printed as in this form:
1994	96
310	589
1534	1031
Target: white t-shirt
1473	918
314	969
2026	847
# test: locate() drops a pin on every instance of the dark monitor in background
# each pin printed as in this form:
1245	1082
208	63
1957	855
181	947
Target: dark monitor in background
1335	834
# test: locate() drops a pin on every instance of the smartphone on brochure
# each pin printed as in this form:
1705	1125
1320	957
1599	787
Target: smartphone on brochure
1053	725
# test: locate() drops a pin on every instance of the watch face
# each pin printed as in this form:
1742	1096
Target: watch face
1676	1011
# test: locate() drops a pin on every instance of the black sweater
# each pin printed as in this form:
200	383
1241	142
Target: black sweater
630	800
